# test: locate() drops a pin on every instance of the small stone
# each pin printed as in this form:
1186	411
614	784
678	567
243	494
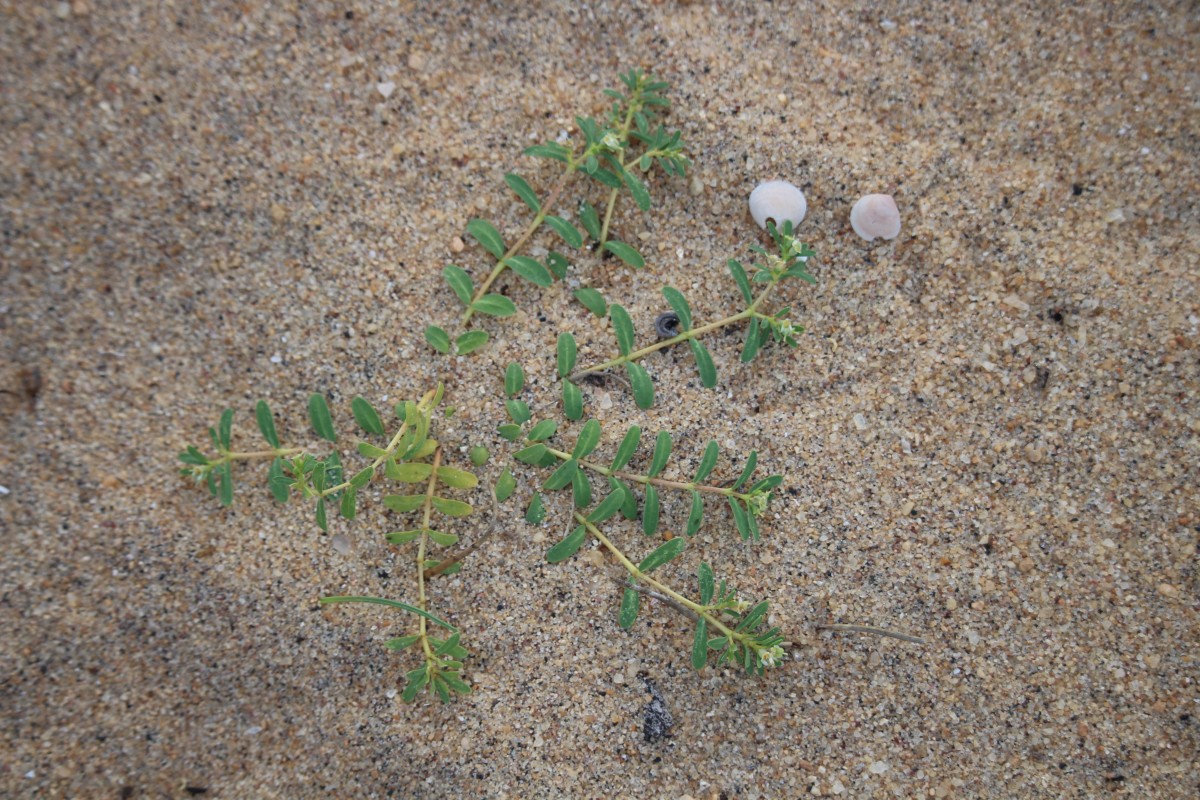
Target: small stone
1167	590
860	422
416	62
1026	565
604	401
838	787
1109	544
696	186
62	10
907	508
618	678
278	212
1034	454
1014	302
879	767
386	88
951	604
340	544
457	244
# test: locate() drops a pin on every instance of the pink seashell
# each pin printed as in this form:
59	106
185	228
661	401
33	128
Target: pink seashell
777	200
874	216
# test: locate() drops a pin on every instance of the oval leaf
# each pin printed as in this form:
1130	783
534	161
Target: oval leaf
438	339
650	511
695	515
707	461
581	489
514	379
470	341
590	220
592	300
562	476
266	423
679	305
506	484
568	546
536	512
608	506
523	191
589	437
628	447
700	645
743	283
662	452
487	236
751	462
707	583
630	601
643	387
622	328
662	554
451	508
572	399
366	416
318	415
406	502
626	253
569	233
495	304
457	478
566	354
409	473
531	270
460	282
704	363
543	430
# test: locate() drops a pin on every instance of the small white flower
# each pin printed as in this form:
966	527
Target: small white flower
611	141
772	656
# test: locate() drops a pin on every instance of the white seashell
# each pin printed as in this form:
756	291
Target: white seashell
876	215
777	200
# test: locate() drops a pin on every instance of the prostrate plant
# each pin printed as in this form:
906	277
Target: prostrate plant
736	628
611	153
409	456
791	261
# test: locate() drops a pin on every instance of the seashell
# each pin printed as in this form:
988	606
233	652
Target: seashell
777	200
874	216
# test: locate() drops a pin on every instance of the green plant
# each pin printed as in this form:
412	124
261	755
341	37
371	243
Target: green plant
409	456
791	261
611	153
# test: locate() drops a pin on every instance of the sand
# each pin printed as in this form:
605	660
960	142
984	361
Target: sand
988	431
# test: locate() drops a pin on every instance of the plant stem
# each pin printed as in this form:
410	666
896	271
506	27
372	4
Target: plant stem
421	599
281	452
693	333
675	597
645	479
531	229
634	106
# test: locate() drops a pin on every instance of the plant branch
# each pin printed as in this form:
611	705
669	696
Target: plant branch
428	511
562	455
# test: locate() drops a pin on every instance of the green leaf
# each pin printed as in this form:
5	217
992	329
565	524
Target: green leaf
740	518
506	484
226	489
394	604
366	416
629	608
536	512
451	508
705	575
629	509
608	506
557	263
704	363
510	432
568	546
572	399
637	189
279	483
409	473
581	489
766	484
531	455
561	476
266	423
707	461
523	191
700	645
650	511
605	177
590	220
514	379
457	478
401	642
318	415
438	339
518	411
751	462
460	282
753	617
753	342
495	304
628	447
549	150
368	450
696	514
417	679
626	253
743	283
662	554
679	305
622	328
470	341
566	354
322	522
643	387
662	452
531	270
592	300
487	236
589	437
405	502
225	428
543	430
347	507
569	233
456	683
442	539
362	478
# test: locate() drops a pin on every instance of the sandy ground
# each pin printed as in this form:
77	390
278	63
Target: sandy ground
988	434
